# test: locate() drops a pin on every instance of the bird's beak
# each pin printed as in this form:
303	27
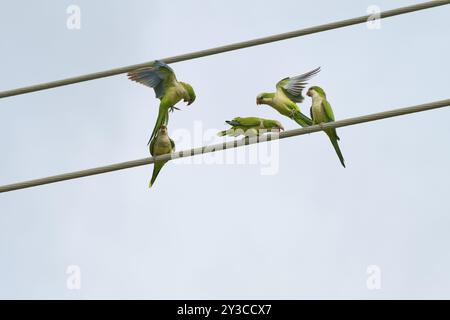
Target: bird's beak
258	101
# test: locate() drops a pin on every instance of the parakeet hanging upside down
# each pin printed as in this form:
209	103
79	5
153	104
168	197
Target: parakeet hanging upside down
288	94
250	126
321	112
167	88
161	144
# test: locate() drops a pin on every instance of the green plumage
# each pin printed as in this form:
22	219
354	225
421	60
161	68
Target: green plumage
161	144
250	126
289	92
321	112
167	88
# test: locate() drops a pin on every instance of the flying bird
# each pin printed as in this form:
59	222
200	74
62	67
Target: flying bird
287	95
321	112
161	144
250	126
167	88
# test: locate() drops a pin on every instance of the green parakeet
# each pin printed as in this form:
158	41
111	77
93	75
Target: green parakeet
167	88
321	112
288	94
161	144
250	126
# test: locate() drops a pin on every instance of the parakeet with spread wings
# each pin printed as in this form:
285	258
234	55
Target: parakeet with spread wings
287	95
167	88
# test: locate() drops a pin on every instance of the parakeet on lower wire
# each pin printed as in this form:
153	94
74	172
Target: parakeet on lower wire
167	88
161	144
250	126
287	95
321	112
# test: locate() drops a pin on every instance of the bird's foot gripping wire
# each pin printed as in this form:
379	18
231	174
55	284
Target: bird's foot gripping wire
172	109
321	126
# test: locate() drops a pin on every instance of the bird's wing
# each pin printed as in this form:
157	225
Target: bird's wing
294	86
245	122
152	146
159	77
328	111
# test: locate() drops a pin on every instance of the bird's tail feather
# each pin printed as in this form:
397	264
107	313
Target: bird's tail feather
302	120
334	141
156	169
232	123
163	118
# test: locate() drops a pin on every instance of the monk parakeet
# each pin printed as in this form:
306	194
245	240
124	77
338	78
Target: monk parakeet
161	144
288	94
167	88
250	126
321	112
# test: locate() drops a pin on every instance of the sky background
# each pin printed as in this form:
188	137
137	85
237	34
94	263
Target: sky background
224	231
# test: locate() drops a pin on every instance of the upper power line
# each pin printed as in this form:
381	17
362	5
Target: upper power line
226	48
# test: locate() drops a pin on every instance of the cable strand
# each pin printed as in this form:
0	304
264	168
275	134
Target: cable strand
225	145
225	48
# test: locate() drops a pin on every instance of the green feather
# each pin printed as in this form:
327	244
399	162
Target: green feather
190	91
158	146
302	120
334	141
156	169
162	119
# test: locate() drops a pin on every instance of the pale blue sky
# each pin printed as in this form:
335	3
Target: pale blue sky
224	231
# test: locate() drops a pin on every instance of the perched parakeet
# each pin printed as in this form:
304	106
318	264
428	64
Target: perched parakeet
321	112
288	94
167	88
161	144
250	126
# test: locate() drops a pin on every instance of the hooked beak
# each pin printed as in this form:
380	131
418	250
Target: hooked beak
258	101
308	93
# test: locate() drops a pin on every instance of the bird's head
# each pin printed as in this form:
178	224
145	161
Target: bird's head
273	125
315	90
279	126
190	97
163	129
261	98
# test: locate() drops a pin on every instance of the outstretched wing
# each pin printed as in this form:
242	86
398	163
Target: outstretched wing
159	77
245	122
294	86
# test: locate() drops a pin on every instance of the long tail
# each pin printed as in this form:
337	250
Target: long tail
163	118
156	169
302	120
334	141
